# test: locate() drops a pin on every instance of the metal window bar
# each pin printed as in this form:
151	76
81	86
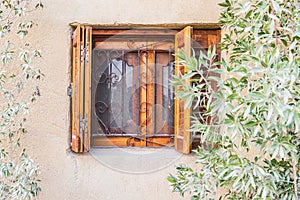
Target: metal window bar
136	85
169	96
138	91
154	81
123	81
109	94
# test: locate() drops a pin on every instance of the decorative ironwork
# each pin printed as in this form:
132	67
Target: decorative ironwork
114	79
117	82
101	107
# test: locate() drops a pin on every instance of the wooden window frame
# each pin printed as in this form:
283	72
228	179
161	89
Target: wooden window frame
82	41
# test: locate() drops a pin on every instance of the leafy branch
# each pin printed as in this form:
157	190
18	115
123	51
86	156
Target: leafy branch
18	75
250	126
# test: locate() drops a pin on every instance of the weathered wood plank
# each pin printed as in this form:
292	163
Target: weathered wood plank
150	92
75	83
81	87
187	111
127	45
122	141
143	93
134	32
87	87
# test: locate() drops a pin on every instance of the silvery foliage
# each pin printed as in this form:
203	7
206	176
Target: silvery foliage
18	76
250	130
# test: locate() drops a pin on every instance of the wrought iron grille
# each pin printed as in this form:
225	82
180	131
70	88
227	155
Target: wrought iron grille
131	95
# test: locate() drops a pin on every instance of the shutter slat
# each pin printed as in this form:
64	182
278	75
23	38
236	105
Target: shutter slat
75	84
87	88
81	88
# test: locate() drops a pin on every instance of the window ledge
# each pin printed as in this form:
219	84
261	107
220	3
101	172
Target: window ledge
136	160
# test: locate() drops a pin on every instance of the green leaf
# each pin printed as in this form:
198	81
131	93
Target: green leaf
189	75
276	7
188	101
250	124
171	179
249	13
225	4
216	70
257	95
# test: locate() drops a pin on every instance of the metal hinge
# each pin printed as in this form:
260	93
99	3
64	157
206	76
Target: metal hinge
83	125
70	90
73	35
87	53
84	53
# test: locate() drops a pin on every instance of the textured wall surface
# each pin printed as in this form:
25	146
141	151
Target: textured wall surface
103	173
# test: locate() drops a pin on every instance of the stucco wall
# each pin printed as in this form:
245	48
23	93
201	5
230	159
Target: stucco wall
97	175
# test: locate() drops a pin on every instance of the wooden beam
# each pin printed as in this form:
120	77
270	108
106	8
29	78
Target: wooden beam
143	93
141	45
175	26
150	93
87	87
123	141
75	82
81	87
134	32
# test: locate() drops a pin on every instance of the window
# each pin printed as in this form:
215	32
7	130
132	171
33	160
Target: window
120	87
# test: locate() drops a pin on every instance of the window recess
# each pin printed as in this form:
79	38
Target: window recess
121	94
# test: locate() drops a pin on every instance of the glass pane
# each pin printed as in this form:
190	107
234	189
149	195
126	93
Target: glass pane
116	93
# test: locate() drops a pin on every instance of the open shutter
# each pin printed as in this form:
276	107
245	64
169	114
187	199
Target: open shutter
182	135
81	87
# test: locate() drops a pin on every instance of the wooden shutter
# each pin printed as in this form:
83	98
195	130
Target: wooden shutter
81	89
182	135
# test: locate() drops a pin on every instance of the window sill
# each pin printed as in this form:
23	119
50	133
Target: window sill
135	160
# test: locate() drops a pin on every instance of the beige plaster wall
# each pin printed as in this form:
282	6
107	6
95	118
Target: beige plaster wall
88	176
